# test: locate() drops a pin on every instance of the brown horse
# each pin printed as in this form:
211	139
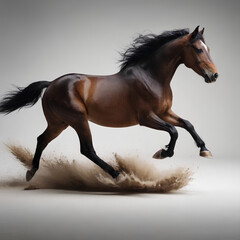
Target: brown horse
139	93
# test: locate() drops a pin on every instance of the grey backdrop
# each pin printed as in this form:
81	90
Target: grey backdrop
41	40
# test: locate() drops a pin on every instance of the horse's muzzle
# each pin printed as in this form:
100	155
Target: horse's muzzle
209	78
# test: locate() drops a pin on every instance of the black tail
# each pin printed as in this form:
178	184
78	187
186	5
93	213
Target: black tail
23	97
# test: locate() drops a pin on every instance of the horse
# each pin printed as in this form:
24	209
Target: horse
139	93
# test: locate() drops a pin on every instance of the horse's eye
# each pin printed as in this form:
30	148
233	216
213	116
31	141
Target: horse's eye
198	50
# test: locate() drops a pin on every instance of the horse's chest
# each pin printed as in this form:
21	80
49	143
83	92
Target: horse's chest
163	102
164	105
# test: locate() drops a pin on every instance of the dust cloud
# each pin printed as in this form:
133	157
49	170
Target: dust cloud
136	175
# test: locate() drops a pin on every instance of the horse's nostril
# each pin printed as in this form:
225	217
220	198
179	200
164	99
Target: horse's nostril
215	75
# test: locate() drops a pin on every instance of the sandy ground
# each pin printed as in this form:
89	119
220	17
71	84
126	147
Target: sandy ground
208	208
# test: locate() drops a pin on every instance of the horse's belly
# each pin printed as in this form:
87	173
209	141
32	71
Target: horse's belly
113	110
111	116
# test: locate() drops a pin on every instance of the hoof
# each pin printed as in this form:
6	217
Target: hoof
115	174
206	154
160	154
30	174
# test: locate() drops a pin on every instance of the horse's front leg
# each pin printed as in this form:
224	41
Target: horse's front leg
155	122
175	120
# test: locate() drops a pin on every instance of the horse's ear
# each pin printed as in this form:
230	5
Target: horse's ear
202	31
194	33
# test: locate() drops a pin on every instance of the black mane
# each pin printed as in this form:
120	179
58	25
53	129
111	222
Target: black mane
144	45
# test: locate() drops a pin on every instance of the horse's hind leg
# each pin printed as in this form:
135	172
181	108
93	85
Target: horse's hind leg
52	131
81	126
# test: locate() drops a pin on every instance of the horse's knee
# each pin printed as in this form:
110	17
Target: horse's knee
188	126
173	132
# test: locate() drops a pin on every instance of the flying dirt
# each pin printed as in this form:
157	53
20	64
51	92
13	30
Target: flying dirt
61	173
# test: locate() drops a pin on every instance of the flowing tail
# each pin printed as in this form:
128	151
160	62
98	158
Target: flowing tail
22	97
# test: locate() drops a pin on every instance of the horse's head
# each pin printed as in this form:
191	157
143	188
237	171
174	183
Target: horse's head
196	55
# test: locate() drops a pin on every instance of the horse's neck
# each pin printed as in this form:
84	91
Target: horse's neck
169	58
